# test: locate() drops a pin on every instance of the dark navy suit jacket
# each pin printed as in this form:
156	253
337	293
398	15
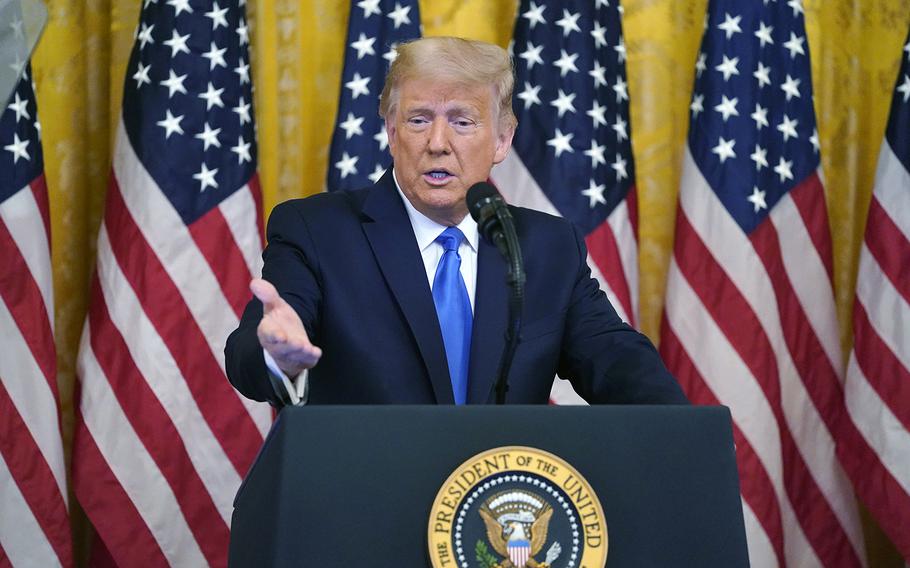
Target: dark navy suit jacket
349	264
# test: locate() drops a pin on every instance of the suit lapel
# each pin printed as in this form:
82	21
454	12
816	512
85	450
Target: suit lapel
391	238
490	315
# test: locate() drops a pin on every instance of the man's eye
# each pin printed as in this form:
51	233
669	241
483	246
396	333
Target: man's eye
463	123
417	120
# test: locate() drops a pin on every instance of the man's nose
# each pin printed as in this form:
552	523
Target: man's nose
438	142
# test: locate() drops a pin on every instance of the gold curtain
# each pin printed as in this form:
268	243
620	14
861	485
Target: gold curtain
297	56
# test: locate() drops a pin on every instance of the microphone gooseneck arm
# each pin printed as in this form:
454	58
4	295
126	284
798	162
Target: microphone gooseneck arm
516	281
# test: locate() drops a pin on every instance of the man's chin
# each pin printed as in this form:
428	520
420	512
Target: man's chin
443	195
449	184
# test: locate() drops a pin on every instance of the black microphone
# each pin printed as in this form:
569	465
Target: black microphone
495	224
489	210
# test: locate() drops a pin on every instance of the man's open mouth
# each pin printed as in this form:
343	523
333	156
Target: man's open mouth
438	174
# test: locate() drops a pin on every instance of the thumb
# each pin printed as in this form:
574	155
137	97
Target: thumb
265	292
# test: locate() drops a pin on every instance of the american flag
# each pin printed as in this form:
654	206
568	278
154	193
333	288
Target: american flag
359	153
749	317
34	522
572	152
162	439
875	446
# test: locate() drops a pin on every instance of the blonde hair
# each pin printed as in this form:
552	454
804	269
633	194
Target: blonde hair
465	61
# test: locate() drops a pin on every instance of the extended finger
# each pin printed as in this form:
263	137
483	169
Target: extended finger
275	338
288	356
265	292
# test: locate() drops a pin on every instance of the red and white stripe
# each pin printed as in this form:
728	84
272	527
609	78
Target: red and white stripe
519	554
750	323
612	248
875	447
163	440
34	518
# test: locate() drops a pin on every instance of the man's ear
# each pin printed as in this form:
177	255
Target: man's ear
391	130
503	144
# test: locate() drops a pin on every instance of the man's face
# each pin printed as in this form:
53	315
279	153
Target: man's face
444	138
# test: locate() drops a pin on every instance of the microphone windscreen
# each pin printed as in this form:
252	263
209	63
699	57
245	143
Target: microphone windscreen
479	195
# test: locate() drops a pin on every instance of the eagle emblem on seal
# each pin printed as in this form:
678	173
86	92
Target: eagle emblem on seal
516	523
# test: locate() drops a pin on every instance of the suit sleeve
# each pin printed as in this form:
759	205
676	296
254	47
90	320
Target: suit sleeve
607	360
291	265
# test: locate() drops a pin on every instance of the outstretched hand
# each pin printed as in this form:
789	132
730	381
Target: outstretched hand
281	332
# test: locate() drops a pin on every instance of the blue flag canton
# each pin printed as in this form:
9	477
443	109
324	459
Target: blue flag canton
21	159
359	154
753	132
572	104
188	101
898	133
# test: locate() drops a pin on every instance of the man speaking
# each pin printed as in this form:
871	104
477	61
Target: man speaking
406	303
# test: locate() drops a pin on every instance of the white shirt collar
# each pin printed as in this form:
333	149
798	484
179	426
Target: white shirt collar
426	230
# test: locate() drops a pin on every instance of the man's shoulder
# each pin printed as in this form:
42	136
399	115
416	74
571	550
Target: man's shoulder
324	206
544	234
538	221
535	216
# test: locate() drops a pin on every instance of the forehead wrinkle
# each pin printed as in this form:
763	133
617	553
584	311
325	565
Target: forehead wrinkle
447	108
451	97
454	108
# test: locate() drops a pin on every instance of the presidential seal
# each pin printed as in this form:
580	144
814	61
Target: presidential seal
517	507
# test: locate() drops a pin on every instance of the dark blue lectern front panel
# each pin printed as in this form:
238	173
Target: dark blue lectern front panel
353	486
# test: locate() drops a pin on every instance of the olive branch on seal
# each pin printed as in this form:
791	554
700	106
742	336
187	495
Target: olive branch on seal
484	557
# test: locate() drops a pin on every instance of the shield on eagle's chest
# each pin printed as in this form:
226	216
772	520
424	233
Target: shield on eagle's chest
519	552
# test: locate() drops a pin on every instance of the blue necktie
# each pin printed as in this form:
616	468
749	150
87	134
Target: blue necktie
453	307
